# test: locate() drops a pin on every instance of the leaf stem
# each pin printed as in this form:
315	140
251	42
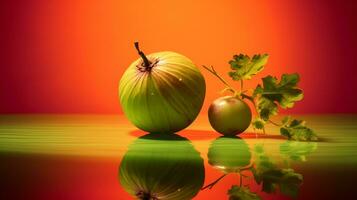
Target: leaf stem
240	179
250	98
213	71
214	182
274	123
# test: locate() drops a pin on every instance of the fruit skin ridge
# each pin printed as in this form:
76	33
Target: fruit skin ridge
166	98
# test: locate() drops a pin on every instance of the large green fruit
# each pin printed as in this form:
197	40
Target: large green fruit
229	154
162	166
162	92
229	115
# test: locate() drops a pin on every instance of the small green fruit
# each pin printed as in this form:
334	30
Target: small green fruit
229	115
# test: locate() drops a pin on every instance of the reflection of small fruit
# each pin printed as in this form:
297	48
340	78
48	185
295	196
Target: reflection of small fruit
229	154
229	115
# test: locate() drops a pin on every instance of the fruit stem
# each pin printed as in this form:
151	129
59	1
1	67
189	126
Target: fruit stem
241	84
147	63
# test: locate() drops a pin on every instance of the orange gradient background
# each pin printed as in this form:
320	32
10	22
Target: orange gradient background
68	56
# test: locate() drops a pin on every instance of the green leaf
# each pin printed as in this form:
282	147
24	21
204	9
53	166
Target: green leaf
245	67
273	93
266	108
242	193
296	130
258	123
285	92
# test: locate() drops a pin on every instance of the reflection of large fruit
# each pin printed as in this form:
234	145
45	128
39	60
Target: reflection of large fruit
229	154
162	167
162	92
229	115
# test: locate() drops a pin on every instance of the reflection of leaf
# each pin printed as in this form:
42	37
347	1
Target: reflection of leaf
245	67
286	179
290	182
259	149
296	130
297	151
272	177
262	161
242	193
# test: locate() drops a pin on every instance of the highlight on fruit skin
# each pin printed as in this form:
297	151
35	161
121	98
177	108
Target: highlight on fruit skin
162	92
162	166
229	115
229	154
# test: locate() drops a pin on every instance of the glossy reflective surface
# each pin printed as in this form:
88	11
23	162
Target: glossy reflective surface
105	157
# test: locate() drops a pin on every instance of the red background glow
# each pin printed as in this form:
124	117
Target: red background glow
68	56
